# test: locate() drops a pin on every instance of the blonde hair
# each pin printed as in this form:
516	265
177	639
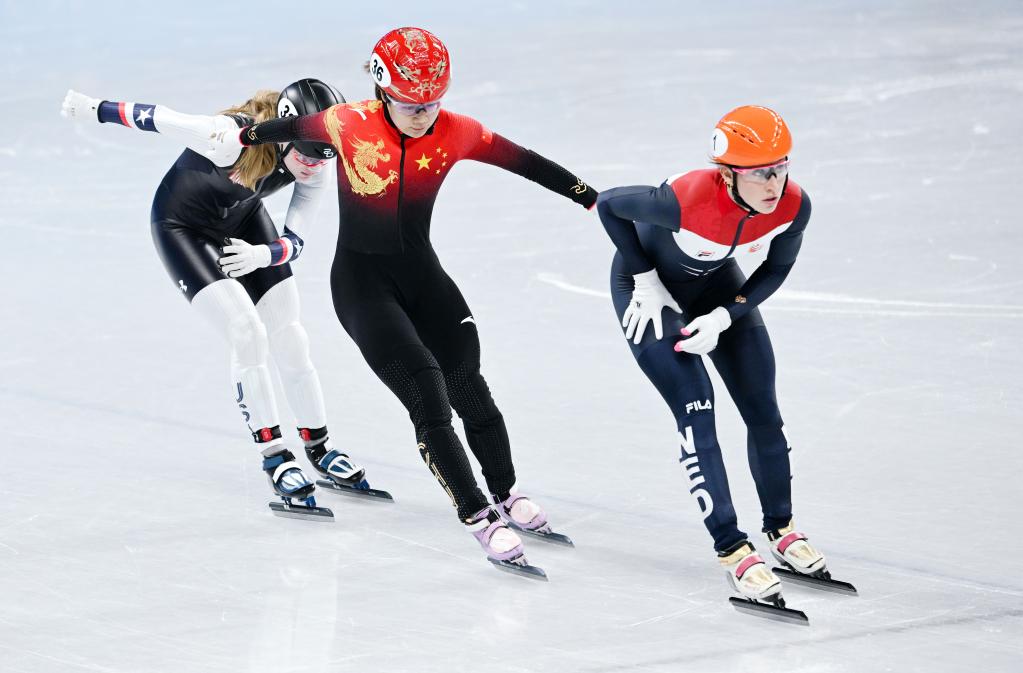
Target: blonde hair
258	160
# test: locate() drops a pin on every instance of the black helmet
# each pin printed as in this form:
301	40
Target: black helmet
307	96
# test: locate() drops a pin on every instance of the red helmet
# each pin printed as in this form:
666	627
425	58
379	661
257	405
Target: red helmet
750	135
411	65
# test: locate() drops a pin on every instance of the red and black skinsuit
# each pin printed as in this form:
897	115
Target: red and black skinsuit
390	292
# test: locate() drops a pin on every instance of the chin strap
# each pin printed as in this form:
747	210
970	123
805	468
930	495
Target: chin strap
733	190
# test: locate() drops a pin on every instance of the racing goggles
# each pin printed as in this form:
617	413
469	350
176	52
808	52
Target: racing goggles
761	174
306	160
412	109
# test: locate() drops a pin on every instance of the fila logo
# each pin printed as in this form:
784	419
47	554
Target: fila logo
691	463
697	405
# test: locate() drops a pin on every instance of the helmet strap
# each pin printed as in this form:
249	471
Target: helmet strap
283	152
733	191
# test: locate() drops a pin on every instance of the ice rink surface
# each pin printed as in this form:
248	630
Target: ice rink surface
134	532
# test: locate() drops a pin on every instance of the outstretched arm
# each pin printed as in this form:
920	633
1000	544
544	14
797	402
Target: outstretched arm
497	150
289	129
204	134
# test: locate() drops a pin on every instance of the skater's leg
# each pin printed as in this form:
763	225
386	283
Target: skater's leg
446	325
745	360
289	346
227	307
369	308
684	384
191	261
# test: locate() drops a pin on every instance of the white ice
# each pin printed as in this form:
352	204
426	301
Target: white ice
134	531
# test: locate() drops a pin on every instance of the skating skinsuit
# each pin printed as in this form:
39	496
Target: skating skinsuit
691	231
390	293
197	206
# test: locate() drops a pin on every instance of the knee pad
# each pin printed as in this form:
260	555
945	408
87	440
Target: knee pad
290	347
470	395
415	377
248	339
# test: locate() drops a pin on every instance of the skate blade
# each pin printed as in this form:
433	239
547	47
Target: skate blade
769	611
291	511
549	536
354	491
834	586
523	570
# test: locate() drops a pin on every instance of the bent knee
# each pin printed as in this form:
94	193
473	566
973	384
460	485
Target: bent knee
248	338
290	347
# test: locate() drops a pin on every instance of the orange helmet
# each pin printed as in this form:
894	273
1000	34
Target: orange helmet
750	135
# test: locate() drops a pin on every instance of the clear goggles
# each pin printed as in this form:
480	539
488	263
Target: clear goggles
761	174
412	109
311	162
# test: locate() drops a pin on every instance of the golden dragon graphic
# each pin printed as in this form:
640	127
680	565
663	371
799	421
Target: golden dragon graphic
365	158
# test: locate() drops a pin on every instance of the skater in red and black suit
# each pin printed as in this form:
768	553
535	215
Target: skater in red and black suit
390	292
676	267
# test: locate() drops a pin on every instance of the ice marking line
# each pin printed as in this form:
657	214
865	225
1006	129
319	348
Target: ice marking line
66	662
555	280
797	295
425	546
61	230
661	618
937	309
93	406
732	651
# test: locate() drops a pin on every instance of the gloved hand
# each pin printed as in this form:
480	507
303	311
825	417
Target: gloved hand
241	258
648	298
80	107
707	328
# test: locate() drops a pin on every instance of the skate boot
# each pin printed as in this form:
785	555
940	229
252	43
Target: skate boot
749	575
760	589
801	562
525	516
794	552
502	546
288	481
340	473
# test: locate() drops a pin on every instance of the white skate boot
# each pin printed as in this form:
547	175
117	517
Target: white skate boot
760	589
802	563
749	575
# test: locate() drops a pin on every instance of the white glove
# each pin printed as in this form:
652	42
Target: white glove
241	258
649	297
707	327
80	107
